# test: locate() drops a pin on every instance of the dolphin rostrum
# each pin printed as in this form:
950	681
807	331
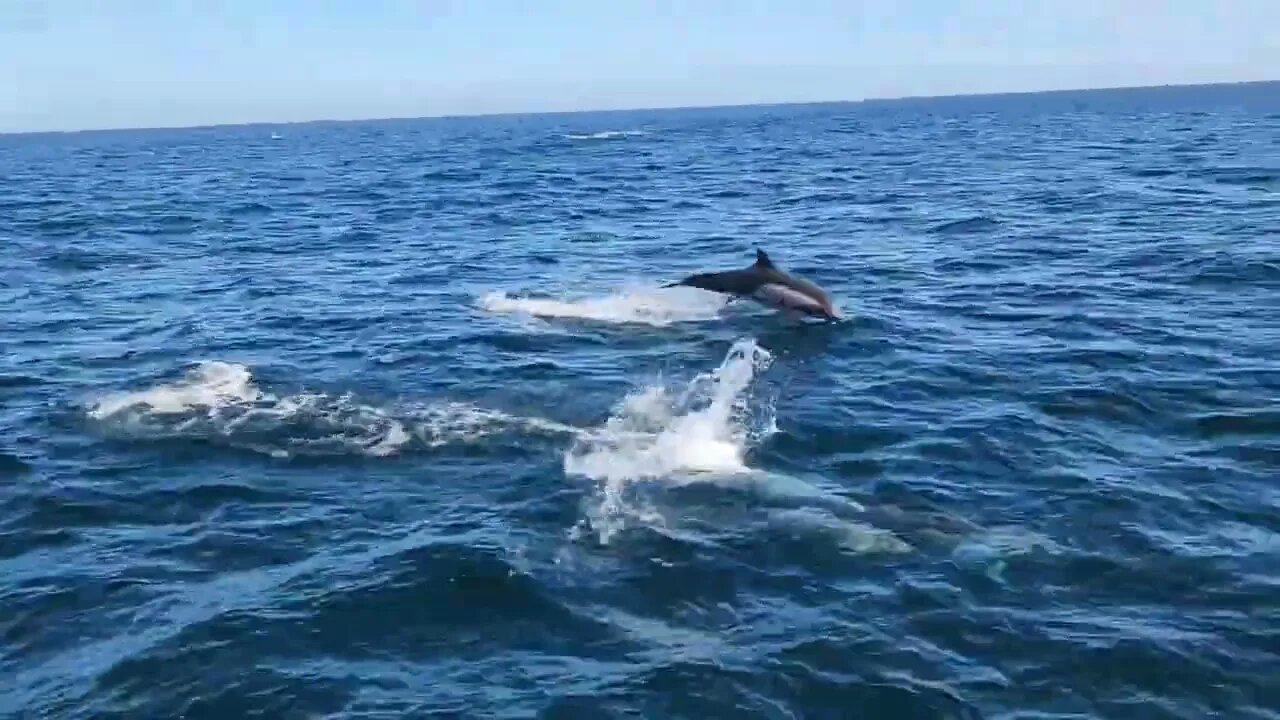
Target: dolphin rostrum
765	283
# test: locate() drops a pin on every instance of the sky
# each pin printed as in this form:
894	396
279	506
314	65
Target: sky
85	64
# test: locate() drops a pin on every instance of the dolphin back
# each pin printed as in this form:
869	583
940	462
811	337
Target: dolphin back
732	282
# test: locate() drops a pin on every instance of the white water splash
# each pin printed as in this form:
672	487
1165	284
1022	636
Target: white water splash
657	307
219	401
210	385
701	433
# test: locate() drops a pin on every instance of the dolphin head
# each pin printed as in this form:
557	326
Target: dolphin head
791	292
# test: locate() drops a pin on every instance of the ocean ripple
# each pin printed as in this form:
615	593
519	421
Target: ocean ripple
397	418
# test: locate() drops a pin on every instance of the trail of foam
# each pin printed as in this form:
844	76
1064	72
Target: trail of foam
219	402
700	433
650	307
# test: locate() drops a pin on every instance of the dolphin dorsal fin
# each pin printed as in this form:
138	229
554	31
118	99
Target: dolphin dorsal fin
762	259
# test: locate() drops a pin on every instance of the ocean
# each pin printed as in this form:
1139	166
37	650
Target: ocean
395	419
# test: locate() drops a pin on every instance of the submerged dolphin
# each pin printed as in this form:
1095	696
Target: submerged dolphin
769	286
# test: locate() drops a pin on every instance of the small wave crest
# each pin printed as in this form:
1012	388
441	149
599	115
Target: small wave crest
649	307
220	402
701	432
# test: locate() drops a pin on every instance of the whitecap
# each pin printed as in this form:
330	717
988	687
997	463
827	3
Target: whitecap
604	135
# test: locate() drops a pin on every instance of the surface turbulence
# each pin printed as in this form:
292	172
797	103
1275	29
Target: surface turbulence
396	419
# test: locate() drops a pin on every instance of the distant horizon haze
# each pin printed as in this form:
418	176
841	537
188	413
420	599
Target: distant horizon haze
655	108
78	66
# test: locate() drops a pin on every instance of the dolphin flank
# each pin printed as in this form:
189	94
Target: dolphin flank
765	283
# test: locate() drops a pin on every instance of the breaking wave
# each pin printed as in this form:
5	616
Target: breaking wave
650	307
220	402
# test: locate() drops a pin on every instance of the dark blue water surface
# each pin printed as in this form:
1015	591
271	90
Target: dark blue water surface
393	419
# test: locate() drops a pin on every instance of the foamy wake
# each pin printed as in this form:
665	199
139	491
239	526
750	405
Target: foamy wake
657	307
604	135
220	402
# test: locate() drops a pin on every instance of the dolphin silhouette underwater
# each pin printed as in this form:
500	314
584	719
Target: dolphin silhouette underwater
768	285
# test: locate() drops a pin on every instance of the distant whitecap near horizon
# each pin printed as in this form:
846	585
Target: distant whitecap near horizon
605	135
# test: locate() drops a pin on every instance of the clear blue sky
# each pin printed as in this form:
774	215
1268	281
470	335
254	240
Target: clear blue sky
72	64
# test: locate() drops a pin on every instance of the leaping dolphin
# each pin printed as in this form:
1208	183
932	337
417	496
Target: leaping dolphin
769	286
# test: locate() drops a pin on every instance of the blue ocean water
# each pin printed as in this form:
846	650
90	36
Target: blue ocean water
393	419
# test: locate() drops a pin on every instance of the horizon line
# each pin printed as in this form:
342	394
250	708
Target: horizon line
647	108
